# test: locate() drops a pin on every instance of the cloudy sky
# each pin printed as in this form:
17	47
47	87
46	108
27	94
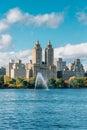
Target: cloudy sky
23	22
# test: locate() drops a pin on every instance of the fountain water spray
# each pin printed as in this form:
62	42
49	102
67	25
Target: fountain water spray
40	82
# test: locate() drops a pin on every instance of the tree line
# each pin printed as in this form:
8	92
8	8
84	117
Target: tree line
73	82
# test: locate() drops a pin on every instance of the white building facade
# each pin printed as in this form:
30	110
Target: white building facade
16	69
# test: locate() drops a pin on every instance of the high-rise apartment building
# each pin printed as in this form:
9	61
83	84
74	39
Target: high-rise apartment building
49	54
47	68
60	64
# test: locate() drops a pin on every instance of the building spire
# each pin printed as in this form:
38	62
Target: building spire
49	43
37	42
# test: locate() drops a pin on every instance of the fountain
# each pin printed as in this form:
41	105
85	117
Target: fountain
40	82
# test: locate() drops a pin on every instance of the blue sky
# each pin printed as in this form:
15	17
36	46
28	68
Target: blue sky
63	22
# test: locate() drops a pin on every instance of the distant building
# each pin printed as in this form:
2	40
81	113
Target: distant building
9	66
16	69
67	74
59	74
85	74
47	68
60	64
2	71
77	67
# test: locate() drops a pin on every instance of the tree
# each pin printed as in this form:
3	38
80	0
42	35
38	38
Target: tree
77	82
51	83
32	82
59	82
11	81
71	82
26	84
1	81
85	81
19	82
66	84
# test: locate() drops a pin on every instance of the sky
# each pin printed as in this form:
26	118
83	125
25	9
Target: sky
23	22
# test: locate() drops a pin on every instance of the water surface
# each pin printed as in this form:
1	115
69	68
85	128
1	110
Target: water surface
61	109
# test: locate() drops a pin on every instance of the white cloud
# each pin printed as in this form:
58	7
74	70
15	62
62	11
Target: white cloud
82	17
52	20
3	25
71	50
5	57
5	42
68	53
15	15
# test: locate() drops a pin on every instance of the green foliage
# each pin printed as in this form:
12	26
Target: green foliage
59	82
11	81
1	81
85	81
51	83
77	82
20	82
25	84
32	83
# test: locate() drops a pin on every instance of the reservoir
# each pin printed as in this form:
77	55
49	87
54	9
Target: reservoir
56	109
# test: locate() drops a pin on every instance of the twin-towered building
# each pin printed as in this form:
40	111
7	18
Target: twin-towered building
47	67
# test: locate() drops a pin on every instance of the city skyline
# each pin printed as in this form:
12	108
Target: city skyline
64	23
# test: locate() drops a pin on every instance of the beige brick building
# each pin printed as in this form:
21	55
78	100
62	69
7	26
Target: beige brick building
9	66
78	68
75	69
47	68
16	69
60	64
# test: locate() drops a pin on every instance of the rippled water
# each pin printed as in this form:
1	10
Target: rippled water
62	109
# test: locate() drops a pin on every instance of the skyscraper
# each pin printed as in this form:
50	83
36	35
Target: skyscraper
49	54
47	68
